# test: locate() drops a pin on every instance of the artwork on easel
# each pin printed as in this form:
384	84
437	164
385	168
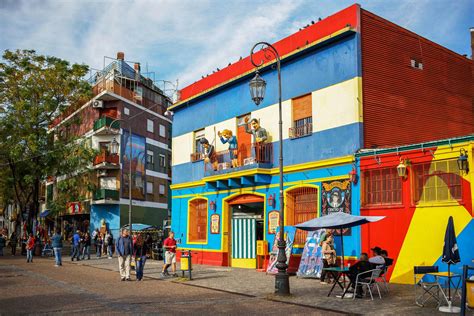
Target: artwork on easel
311	263
290	238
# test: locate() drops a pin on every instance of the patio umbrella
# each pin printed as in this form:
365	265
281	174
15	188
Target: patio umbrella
450	256
338	220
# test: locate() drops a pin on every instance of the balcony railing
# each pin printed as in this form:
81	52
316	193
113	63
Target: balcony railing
106	158
106	121
197	157
301	131
106	194
257	155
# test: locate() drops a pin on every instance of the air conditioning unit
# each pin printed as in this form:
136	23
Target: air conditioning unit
102	173
98	104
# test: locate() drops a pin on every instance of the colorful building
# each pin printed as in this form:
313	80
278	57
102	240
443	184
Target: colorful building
350	81
121	92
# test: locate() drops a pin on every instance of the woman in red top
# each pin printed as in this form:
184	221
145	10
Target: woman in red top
30	245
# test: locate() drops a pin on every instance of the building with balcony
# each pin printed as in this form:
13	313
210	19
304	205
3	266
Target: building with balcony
351	82
122	97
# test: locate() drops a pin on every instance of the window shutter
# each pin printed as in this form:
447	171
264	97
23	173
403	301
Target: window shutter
302	107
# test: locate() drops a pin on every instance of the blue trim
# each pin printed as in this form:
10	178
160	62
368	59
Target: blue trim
315	70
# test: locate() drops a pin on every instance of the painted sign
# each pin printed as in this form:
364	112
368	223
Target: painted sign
336	197
73	208
290	232
215	224
138	156
273	221
311	263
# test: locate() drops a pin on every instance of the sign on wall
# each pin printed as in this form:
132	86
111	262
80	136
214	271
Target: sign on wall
215	224
273	221
336	197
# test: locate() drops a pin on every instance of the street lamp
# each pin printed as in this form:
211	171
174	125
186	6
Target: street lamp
257	91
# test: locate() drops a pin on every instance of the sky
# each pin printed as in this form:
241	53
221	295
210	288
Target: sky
187	39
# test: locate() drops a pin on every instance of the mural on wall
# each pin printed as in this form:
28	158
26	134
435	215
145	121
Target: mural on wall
311	263
336	197
290	232
138	157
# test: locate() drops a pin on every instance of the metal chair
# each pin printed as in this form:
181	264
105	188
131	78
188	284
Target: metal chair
368	278
383	278
430	289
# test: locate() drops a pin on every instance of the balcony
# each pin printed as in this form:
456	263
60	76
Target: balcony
106	196
106	161
301	131
103	126
251	156
197	157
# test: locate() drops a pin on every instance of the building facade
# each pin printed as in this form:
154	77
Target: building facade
345	87
121	92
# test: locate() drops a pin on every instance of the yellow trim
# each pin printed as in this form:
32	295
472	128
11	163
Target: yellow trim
207	222
341	31
288	169
244	263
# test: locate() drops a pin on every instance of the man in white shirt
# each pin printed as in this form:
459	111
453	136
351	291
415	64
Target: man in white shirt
376	258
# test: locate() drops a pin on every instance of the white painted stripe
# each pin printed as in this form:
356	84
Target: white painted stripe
145	203
157	143
155	174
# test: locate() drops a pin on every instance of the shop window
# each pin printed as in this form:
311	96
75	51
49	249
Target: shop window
301	206
197	148
381	187
197	216
438	181
302	111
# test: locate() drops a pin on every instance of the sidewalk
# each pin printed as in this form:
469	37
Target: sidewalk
307	292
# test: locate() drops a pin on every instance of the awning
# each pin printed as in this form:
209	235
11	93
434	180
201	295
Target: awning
44	213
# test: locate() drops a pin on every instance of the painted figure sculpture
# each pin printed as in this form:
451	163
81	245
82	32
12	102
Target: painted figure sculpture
209	153
227	138
259	137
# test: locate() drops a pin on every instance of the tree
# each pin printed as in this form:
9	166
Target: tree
34	89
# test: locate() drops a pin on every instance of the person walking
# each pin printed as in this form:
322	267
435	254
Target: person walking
95	236
139	251
87	246
57	244
170	255
13	242
124	250
109	239
2	243
76	239
30	245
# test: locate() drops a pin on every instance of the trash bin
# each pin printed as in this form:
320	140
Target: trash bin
186	263
470	293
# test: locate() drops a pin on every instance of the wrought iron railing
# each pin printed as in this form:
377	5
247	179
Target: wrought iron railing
248	154
300	131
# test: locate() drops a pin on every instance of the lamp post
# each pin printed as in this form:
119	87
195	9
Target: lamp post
257	91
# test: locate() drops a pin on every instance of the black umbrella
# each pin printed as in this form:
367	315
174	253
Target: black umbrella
450	252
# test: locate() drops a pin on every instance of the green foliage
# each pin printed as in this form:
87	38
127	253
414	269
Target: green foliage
34	89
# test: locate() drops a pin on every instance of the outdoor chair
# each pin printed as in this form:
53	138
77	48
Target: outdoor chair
369	280
382	278
430	289
47	251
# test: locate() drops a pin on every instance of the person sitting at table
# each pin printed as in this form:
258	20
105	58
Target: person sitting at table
360	266
376	258
329	255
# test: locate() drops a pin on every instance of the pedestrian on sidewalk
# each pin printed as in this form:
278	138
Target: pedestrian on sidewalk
3	242
57	244
13	242
109	240
170	255
140	251
30	245
124	250
99	243
87	246
76	239
95	235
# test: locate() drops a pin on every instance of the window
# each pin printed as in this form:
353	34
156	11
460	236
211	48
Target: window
196	155
149	187
149	157
438	181
126	111
301	206
162	189
162	160
162	131
197	215
149	125
302	110
382	187
417	64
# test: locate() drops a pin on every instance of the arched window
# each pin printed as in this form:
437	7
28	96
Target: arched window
197	216
301	206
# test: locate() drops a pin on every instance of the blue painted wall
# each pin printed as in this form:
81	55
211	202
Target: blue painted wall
111	214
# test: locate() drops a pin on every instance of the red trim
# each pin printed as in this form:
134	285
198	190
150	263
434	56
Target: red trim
246	198
323	28
207	257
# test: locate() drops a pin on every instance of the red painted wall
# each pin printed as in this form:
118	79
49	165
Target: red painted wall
403	105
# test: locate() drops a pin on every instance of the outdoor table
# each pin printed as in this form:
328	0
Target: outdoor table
337	272
439	275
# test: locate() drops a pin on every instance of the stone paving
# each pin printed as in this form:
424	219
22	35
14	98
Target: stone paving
305	292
